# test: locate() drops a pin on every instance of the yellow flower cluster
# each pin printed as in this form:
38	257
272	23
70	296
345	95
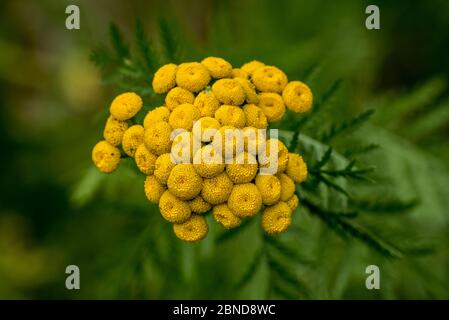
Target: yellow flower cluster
205	150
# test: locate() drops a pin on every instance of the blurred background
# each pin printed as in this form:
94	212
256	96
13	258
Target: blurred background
56	210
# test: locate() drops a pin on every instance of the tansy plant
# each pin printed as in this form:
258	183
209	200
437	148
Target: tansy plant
205	150
170	123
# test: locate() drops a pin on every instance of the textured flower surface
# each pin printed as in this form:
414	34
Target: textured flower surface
207	150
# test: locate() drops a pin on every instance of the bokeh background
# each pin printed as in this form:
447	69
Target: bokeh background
56	210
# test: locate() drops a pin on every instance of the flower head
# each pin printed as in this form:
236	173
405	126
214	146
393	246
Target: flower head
207	103
216	190
239	73
229	115
208	162
153	189
255	117
183	116
165	78
287	186
293	202
217	67
297	96
279	158
276	218
229	91
192	76
252	66
105	156
174	209
145	160
163	167
205	128
272	106
269	187
296	168
243	168
223	215
245	200
192	230
156	115
125	106
198	205
178	96
114	130
269	79
132	139
249	89
157	138
184	182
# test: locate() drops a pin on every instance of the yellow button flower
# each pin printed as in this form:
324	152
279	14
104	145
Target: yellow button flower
153	189
297	96
228	141
254	140
249	89
192	76
269	187
272	106
105	156
157	138
208	162
239	73
178	96
223	215
243	168
114	130
229	115
156	115
163	167
132	138
184	116
287	187
296	168
165	78
279	159
245	200
125	106
192	230
145	160
293	202
207	103
216	190
255	117
218	67
252	66
276	218
229	91
198	205
174	209
184	182
205	128
269	79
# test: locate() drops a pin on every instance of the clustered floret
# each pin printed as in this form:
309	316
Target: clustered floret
204	101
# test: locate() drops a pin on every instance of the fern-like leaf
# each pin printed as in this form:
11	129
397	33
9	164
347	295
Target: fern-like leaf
168	40
145	48
337	130
119	45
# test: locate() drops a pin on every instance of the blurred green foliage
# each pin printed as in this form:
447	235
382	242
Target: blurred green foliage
56	209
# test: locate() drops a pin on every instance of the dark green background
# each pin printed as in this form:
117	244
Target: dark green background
53	106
